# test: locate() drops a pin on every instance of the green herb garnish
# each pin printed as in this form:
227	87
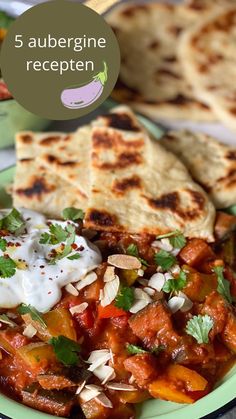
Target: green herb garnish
132	250
5	20
7	267
57	234
133	349
175	284
223	287
125	298
73	214
199	327
165	259
74	257
34	314
3	245
66	350
157	349
176	238
12	222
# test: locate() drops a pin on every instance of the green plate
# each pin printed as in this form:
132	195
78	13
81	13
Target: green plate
223	393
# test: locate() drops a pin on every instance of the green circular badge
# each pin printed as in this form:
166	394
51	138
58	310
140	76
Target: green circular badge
60	60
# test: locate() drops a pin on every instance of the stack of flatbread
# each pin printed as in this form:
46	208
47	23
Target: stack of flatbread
113	170
124	180
178	60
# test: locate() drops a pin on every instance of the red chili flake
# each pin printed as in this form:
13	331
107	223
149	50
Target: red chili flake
49	292
74	246
42	273
81	248
42	266
18	244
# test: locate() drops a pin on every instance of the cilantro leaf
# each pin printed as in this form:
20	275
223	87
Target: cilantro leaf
177	239
66	350
12	222
132	250
199	327
3	244
157	349
133	349
223	287
74	257
34	314
70	234
73	214
60	255
125	298
164	259
58	233
7	267
175	284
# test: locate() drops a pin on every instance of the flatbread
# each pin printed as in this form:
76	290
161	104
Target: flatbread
211	163
66	155
208	54
37	188
151	77
208	6
139	187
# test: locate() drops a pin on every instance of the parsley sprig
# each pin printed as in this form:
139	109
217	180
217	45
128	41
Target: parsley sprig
175	284
223	287
34	314
3	245
12	222
134	349
199	327
165	259
132	250
7	267
66	350
125	298
176	238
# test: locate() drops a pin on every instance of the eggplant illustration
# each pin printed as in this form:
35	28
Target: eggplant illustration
76	97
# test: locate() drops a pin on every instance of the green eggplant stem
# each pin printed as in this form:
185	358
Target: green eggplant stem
102	75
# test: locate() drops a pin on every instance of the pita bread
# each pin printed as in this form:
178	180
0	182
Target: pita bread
37	188
151	74
208	55
211	163
139	187
65	155
208	6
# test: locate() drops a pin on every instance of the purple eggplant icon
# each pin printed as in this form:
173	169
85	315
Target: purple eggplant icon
77	97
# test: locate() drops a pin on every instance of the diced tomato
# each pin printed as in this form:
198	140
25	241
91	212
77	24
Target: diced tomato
86	319
110	311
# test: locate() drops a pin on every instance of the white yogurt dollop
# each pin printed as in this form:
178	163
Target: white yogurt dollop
36	282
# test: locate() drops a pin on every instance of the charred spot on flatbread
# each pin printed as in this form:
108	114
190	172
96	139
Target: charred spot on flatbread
121	161
101	218
121	186
36	189
26	138
122	121
231	155
53	159
50	140
103	139
130	11
172	202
